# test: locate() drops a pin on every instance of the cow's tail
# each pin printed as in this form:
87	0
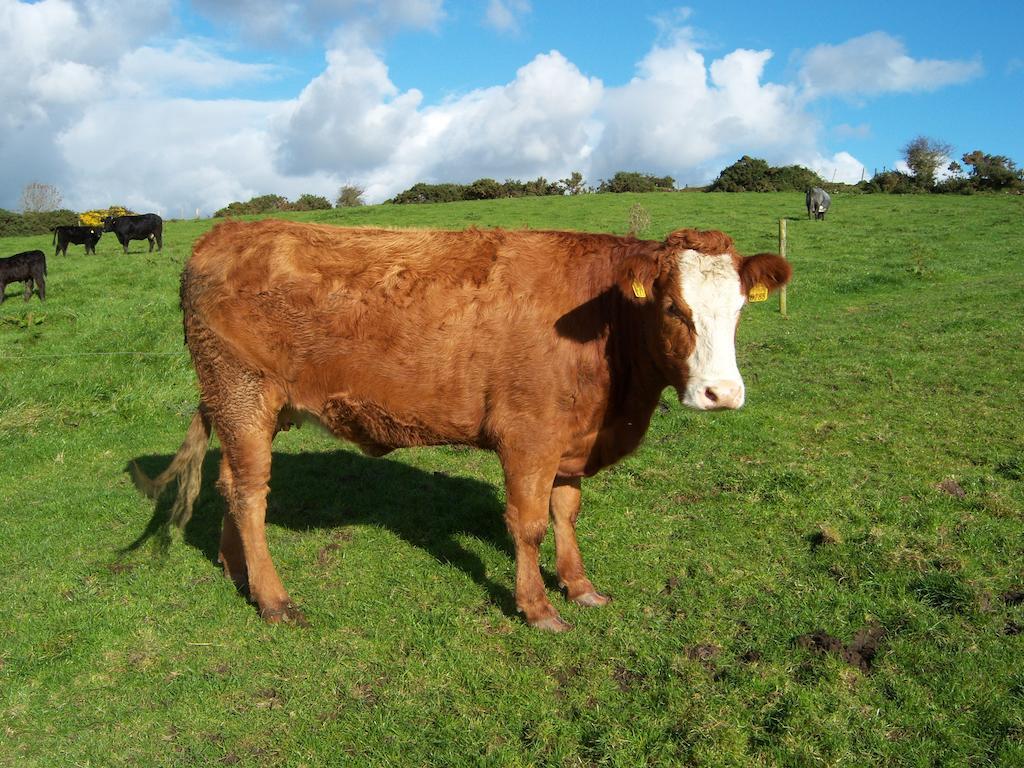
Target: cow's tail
186	467
54	236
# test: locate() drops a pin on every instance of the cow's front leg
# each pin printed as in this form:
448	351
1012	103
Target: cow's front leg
528	489
565	509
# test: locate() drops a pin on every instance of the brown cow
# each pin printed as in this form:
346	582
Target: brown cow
549	348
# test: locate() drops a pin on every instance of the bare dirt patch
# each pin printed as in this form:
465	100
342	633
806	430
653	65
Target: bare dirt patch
859	652
952	487
326	553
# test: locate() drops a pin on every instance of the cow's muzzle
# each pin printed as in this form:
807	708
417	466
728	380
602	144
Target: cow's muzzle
715	395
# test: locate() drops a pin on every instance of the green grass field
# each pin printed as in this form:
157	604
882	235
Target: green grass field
873	482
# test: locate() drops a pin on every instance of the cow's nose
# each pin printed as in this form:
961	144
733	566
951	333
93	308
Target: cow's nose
723	394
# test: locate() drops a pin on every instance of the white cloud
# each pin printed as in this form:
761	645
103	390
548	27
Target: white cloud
56	57
505	15
276	22
354	123
187	66
65	82
101	114
350	118
878	63
172	156
683	118
841	167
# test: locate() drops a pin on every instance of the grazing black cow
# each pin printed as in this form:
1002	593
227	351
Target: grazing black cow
144	226
818	202
27	267
87	236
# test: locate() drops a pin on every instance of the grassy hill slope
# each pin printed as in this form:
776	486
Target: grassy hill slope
870	489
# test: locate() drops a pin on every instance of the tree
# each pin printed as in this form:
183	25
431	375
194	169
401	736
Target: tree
38	198
993	171
574	184
923	156
350	196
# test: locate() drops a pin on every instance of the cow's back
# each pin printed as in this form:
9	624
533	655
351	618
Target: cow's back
445	332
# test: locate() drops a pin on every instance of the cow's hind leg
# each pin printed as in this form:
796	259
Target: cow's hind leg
28	288
565	509
231	556
247	453
243	408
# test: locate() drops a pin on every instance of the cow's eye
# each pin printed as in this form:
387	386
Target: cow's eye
676	312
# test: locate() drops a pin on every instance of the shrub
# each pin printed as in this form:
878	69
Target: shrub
631	181
542	187
893	182
309	202
751	174
794	178
993	172
94	218
483	189
639	219
38	223
259	204
430	193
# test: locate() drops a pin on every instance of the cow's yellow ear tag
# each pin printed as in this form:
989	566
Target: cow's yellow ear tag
758	293
638	289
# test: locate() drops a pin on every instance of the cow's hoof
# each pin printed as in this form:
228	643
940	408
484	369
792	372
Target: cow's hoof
288	614
591	599
551	624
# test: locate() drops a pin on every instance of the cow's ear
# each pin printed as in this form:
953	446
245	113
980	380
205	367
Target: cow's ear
765	269
637	272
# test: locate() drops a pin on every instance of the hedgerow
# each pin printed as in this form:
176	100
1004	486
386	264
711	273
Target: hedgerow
21	224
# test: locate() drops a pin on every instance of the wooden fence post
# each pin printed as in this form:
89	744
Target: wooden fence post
782	253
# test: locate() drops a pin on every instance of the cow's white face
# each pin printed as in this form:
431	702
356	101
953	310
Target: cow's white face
712	291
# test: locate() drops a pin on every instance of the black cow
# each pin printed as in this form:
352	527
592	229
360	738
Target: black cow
87	236
26	267
818	202
144	226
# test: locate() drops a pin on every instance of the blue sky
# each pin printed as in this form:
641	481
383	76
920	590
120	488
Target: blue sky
181	106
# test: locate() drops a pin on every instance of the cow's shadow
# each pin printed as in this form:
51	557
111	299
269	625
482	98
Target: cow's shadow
430	510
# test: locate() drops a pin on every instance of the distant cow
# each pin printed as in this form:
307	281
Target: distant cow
144	226
87	236
27	267
818	202
549	348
